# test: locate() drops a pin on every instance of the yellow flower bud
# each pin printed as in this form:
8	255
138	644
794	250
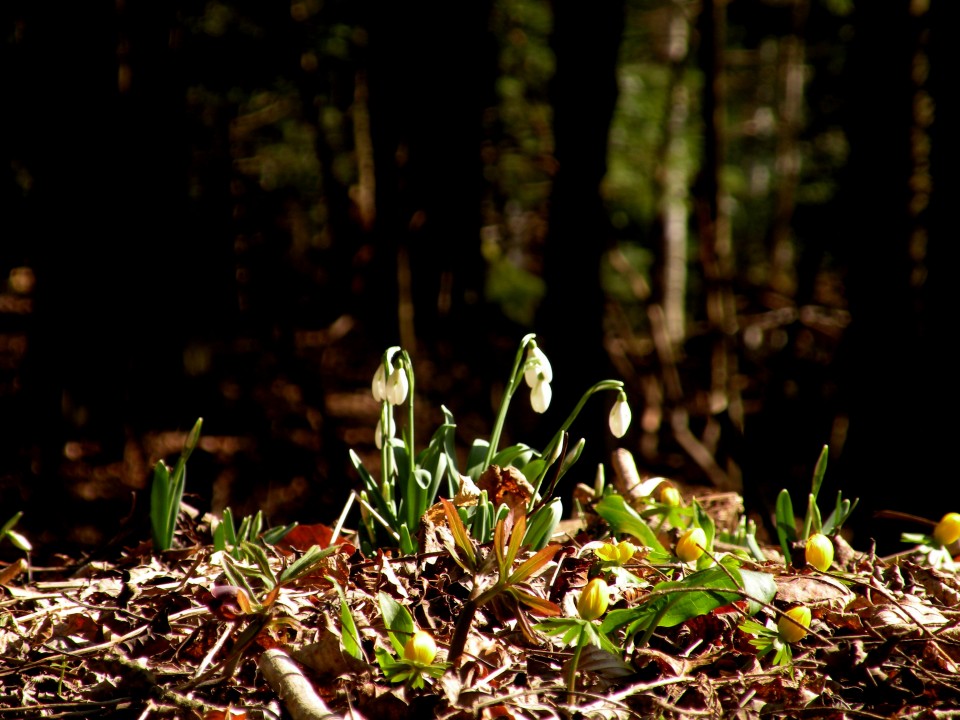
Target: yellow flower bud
794	624
670	496
618	553
691	544
819	551
594	599
420	648
947	530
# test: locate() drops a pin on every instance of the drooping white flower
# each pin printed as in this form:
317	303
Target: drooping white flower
391	430
540	396
537	366
620	416
379	384
397	387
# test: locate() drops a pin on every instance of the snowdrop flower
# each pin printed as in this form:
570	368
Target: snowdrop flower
379	385
537	368
397	387
540	396
620	416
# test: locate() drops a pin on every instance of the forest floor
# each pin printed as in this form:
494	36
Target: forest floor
140	634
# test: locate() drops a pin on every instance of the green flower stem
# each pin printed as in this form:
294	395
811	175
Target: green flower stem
558	438
655	623
413	489
410	424
575	661
515	375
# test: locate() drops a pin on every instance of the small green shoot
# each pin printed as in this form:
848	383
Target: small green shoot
166	493
786	520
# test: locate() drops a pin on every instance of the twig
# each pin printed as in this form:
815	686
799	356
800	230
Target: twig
293	687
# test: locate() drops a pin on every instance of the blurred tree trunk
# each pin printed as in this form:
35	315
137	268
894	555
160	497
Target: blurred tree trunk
586	44
716	253
889	358
431	76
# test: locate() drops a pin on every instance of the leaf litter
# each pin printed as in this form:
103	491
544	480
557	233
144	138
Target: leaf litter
172	635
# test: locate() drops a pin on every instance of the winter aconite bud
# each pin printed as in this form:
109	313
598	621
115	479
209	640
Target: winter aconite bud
420	648
819	551
947	530
618	553
594	599
794	624
620	416
691	544
670	496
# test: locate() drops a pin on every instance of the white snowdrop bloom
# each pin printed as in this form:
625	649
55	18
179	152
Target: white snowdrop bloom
537	366
620	416
397	387
379	385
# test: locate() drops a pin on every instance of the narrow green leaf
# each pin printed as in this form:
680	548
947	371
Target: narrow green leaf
11	523
624	519
349	635
305	564
542	524
397	620
786	524
820	470
160	506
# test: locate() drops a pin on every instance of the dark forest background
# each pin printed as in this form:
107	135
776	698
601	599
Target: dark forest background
229	209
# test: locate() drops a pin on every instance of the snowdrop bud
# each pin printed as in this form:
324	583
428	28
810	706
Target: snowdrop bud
378	434
420	648
947	530
819	551
620	416
594	599
397	387
379	385
789	629
691	544
540	396
537	366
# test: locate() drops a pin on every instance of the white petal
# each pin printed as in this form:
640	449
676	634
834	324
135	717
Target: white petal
397	387
540	396
378	434
536	366
620	417
379	385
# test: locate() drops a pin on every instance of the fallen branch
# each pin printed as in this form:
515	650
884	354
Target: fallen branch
296	691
